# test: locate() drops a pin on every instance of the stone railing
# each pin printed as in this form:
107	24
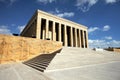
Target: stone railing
17	49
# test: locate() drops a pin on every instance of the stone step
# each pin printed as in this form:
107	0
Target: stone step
37	67
41	66
34	63
47	56
40	61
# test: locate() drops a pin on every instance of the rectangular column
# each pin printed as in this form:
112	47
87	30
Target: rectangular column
65	37
83	39
53	32
79	38
71	34
76	43
46	30
87	39
59	32
38	27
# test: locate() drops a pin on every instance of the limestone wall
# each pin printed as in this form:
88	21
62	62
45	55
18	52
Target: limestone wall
114	49
117	50
15	49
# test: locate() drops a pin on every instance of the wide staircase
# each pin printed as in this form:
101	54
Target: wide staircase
70	57
41	62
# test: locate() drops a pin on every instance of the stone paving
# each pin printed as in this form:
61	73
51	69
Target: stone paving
106	71
19	71
74	57
69	64
84	64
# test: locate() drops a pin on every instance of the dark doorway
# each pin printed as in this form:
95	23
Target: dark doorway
68	36
62	35
43	24
57	31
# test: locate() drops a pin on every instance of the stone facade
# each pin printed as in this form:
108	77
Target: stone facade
15	49
44	26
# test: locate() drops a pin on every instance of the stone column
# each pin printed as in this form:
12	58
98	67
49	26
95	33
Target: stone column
76	43
38	27
59	32
65	37
53	32
86	39
71	34
83	39
79	37
46	30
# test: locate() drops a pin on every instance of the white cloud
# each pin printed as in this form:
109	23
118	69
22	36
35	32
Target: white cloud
21	28
45	1
56	10
92	29
65	14
62	14
103	43
4	30
106	28
108	37
111	1
85	5
116	42
96	43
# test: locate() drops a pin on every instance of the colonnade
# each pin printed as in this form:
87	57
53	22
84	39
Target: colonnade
56	31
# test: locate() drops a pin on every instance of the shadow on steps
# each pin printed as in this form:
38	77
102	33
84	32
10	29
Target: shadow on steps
41	62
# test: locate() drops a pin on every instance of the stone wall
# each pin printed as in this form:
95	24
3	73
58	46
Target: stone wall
15	49
113	49
117	50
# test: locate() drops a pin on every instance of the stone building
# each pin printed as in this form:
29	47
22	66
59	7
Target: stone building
44	26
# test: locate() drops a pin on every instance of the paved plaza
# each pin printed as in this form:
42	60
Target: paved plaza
69	64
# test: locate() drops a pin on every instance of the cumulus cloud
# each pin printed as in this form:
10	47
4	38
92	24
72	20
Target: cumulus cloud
85	5
92	29
106	28
96	43
108	37
62	14
4	30
111	1
20	28
103	43
45	1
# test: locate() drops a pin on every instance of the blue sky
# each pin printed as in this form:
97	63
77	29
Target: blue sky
102	17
